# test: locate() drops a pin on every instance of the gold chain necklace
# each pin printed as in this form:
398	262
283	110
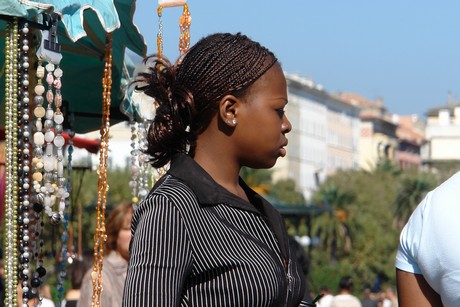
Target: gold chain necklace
100	236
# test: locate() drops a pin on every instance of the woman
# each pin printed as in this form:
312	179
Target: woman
202	237
115	260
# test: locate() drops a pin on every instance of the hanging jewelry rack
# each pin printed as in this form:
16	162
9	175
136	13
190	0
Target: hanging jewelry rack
23	203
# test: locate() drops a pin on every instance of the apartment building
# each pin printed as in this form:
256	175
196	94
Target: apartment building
442	135
324	137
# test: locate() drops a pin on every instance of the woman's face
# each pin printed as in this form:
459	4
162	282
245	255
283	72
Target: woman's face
262	125
124	237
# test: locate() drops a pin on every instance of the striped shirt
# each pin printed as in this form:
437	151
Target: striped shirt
196	244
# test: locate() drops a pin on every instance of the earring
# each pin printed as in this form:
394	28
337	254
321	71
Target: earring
232	121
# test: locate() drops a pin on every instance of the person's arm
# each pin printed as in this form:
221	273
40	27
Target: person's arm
414	291
160	256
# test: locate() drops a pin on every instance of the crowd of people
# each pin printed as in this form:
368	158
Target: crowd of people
344	296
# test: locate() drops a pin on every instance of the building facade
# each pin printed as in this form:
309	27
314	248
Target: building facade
324	136
443	136
411	139
378	139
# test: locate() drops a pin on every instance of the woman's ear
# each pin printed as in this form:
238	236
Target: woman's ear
228	110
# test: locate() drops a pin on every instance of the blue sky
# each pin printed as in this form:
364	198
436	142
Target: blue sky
407	52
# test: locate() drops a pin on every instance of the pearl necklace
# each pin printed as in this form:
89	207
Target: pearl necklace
23	163
11	83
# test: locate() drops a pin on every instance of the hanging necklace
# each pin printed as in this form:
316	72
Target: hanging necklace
23	166
11	83
65	222
140	168
100	236
184	26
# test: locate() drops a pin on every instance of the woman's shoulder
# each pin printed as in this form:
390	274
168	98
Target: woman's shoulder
169	191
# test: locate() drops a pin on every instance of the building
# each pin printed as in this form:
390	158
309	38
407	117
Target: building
443	136
411	139
324	136
378	139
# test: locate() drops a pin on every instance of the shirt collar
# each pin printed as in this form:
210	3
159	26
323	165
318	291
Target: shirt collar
210	193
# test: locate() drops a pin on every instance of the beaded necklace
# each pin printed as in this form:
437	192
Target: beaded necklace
23	166
100	235
11	190
65	234
140	168
184	26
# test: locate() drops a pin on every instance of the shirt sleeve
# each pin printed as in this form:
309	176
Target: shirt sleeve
160	255
409	241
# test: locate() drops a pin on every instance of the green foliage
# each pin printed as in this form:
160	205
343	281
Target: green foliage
412	189
368	200
329	275
256	177
332	227
285	191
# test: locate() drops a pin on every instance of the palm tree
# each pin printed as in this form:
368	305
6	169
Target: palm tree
411	192
331	226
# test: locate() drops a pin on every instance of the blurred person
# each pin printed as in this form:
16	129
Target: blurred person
344	298
77	270
40	298
428	257
367	300
326	300
46	299
115	263
32	301
383	299
392	297
203	237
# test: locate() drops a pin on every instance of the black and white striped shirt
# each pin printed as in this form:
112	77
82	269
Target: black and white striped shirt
196	244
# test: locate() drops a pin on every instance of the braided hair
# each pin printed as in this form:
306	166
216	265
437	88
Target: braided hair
187	93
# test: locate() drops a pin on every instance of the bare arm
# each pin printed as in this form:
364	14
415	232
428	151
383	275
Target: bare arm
414	291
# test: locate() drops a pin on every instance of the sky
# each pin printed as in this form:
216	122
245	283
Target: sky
406	52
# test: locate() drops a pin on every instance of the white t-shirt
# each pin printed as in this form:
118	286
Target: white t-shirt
325	301
430	241
345	300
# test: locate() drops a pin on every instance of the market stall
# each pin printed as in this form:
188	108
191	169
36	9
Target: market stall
64	72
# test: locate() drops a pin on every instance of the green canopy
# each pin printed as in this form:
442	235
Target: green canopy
83	60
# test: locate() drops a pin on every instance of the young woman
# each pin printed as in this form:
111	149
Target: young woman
202	237
115	261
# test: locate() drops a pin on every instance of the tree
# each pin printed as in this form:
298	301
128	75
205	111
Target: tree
286	192
412	190
331	226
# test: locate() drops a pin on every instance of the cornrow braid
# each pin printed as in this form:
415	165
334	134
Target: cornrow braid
167	134
187	94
